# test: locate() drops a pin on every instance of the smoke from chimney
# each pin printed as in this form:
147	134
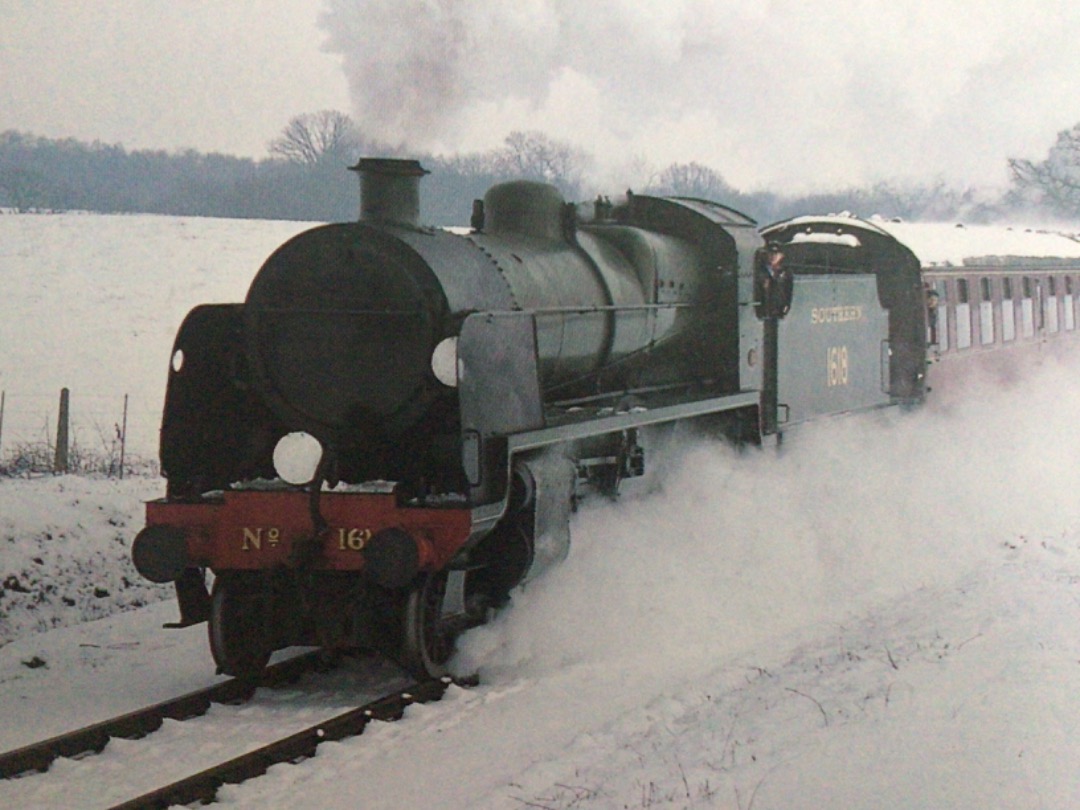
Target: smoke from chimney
781	94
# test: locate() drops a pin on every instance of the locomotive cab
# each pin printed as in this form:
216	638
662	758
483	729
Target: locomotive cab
854	337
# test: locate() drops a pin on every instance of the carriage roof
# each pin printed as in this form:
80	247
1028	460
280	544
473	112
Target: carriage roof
944	245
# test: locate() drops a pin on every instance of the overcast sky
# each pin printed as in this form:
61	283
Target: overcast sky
782	94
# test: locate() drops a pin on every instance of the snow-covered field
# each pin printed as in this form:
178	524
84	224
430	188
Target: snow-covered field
92	303
884	615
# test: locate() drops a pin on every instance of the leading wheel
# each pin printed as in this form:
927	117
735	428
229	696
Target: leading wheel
428	635
238	636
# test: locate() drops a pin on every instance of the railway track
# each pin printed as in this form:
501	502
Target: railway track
133	725
203	786
158	772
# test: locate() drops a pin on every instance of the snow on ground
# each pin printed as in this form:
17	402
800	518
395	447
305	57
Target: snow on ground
883	615
65	545
818	628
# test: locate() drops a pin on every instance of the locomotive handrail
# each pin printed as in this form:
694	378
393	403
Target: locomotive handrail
496	312
323	311
596	308
618	395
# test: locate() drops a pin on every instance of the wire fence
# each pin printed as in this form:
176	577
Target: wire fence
73	432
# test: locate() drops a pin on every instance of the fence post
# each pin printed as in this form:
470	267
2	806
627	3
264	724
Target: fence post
123	438
61	465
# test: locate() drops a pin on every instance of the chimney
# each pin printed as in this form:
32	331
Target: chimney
390	191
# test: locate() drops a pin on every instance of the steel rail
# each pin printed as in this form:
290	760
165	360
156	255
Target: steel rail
39	756
203	786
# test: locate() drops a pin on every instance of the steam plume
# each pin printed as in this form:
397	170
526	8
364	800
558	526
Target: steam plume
781	94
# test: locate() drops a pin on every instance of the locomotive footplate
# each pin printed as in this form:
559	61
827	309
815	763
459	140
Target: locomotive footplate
252	529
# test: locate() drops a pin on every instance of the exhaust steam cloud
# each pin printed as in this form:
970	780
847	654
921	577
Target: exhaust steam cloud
786	94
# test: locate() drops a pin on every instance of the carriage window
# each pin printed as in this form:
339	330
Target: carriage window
963	315
939	317
1027	308
986	312
1069	305
1050	306
1008	311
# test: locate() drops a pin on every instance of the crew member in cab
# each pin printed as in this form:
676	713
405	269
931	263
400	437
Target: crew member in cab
773	283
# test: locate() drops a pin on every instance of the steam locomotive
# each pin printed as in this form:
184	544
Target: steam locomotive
390	432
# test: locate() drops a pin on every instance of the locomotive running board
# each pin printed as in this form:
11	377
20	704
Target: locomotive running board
636	418
485	516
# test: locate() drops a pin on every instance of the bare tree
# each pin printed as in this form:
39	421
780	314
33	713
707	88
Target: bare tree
536	156
692	180
1054	182
936	201
312	138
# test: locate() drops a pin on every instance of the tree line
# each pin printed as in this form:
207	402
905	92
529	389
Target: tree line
304	178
